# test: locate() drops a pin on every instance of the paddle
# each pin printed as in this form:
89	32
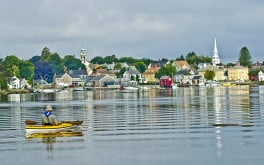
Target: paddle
33	122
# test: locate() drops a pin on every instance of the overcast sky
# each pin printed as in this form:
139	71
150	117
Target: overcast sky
138	28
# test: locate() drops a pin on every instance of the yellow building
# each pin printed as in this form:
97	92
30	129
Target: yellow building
238	73
149	74
219	72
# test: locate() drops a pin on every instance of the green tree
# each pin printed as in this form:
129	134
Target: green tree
245	57
56	63
45	54
98	60
10	65
147	61
72	63
26	70
141	67
191	58
204	59
128	60
117	66
209	74
110	59
168	70
180	58
3	83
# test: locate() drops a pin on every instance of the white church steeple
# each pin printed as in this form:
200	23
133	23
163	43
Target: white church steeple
215	59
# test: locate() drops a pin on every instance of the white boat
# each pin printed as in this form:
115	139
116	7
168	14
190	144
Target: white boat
45	91
144	88
131	88
78	89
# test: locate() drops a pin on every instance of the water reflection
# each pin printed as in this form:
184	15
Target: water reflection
154	125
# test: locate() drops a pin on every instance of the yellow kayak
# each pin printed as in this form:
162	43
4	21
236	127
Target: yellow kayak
30	129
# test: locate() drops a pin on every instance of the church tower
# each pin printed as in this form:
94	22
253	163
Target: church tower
86	62
83	56
215	59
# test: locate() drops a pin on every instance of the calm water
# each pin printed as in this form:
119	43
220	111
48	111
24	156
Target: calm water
146	127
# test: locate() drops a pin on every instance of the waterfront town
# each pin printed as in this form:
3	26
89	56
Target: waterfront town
180	73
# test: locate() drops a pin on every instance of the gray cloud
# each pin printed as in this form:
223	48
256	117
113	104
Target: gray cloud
154	29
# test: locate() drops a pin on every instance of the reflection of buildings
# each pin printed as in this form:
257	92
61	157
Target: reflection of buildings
261	100
232	105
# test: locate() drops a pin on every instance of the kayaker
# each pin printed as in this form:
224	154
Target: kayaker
48	118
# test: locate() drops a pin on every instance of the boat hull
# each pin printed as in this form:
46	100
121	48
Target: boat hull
32	129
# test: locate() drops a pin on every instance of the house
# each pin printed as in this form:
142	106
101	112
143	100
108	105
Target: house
165	82
161	63
24	84
184	76
103	80
73	78
124	65
238	72
150	73
181	64
197	79
14	83
260	76
220	72
132	73
204	65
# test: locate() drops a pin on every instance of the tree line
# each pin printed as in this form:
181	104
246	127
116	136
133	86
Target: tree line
47	64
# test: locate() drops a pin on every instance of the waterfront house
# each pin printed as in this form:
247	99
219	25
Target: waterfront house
185	76
103	80
165	82
14	83
197	79
260	76
220	72
238	73
72	78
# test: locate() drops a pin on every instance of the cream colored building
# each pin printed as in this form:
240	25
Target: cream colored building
238	73
219	72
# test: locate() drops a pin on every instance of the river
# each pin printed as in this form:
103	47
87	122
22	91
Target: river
215	125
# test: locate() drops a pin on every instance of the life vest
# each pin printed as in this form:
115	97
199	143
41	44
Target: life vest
47	114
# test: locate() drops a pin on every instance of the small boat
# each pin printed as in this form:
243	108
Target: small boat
74	122
78	89
32	129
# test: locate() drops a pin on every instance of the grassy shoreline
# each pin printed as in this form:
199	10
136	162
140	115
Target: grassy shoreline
14	91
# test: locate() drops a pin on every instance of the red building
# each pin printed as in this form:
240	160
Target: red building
166	82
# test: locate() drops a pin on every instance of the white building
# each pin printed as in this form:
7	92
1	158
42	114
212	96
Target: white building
215	59
260	76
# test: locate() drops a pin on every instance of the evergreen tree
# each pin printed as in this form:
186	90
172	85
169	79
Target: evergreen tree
245	57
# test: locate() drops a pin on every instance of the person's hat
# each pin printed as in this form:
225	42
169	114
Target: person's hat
48	108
